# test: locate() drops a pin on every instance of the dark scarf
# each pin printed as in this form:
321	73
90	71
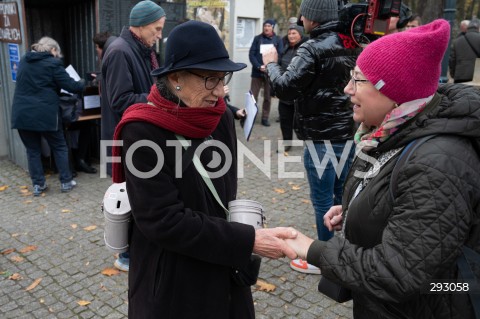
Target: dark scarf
191	122
153	56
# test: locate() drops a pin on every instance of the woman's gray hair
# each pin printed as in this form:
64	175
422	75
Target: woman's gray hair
46	44
164	89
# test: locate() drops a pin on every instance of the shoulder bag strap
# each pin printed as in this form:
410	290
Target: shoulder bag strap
473	48
203	173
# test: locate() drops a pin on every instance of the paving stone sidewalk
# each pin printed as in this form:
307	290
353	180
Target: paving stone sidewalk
71	255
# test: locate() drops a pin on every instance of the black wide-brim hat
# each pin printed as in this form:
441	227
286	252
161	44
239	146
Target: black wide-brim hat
196	45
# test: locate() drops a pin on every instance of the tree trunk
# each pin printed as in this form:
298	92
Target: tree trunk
460	10
268	9
287	9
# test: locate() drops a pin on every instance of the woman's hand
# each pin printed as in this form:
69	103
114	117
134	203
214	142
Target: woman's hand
333	218
269	56
269	242
300	245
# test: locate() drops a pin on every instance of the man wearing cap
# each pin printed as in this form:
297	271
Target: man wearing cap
126	78
127	64
315	79
260	43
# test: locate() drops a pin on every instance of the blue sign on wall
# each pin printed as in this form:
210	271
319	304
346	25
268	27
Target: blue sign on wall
14	53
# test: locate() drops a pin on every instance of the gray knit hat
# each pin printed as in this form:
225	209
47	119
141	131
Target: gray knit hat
145	12
320	11
295	26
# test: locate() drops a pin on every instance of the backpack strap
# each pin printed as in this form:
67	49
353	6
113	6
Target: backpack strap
464	263
402	159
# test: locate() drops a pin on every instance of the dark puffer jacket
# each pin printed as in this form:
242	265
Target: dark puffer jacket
463	56
315	79
394	248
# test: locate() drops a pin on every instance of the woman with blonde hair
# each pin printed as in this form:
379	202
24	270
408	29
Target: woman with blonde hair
36	110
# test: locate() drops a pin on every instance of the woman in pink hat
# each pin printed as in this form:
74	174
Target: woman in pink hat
410	217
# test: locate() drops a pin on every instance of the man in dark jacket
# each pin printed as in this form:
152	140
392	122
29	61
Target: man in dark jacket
260	43
126	68
126	78
315	79
465	50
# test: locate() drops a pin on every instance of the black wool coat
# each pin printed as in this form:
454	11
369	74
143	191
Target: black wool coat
125	79
182	248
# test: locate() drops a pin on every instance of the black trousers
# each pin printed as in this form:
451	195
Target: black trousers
286	112
84	140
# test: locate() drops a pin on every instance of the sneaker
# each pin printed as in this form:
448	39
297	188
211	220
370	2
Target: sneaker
302	266
122	263
265	122
66	187
38	190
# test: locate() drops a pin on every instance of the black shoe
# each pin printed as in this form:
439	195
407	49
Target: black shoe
84	167
265	123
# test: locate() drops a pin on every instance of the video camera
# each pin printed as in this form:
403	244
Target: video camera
368	20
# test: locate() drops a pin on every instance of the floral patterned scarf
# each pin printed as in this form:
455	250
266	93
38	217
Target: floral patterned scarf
368	138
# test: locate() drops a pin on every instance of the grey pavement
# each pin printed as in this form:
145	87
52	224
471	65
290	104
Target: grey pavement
70	254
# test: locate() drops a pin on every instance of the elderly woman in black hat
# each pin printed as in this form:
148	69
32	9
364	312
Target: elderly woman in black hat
186	260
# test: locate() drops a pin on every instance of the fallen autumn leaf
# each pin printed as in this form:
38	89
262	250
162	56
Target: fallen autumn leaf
34	284
265	286
110	272
83	302
28	249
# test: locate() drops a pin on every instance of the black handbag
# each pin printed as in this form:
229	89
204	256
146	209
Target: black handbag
70	108
248	276
334	290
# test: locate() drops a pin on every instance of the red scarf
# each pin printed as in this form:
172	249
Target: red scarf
153	56
191	122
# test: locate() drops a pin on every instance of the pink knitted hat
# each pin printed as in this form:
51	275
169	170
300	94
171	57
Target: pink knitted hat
406	66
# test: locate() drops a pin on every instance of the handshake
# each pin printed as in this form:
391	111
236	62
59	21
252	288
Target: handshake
288	242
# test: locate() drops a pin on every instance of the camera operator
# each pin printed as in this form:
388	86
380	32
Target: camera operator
315	79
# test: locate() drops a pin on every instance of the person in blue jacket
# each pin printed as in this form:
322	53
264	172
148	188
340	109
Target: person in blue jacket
36	110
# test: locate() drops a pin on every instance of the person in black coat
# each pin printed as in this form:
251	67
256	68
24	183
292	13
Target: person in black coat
295	39
465	51
402	234
126	79
314	80
36	110
185	257
126	67
259	78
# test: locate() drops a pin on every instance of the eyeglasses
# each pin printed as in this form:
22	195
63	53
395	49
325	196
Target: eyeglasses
354	80
211	82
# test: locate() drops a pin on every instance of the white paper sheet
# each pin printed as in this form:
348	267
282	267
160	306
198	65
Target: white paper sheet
73	74
251	108
91	101
265	47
